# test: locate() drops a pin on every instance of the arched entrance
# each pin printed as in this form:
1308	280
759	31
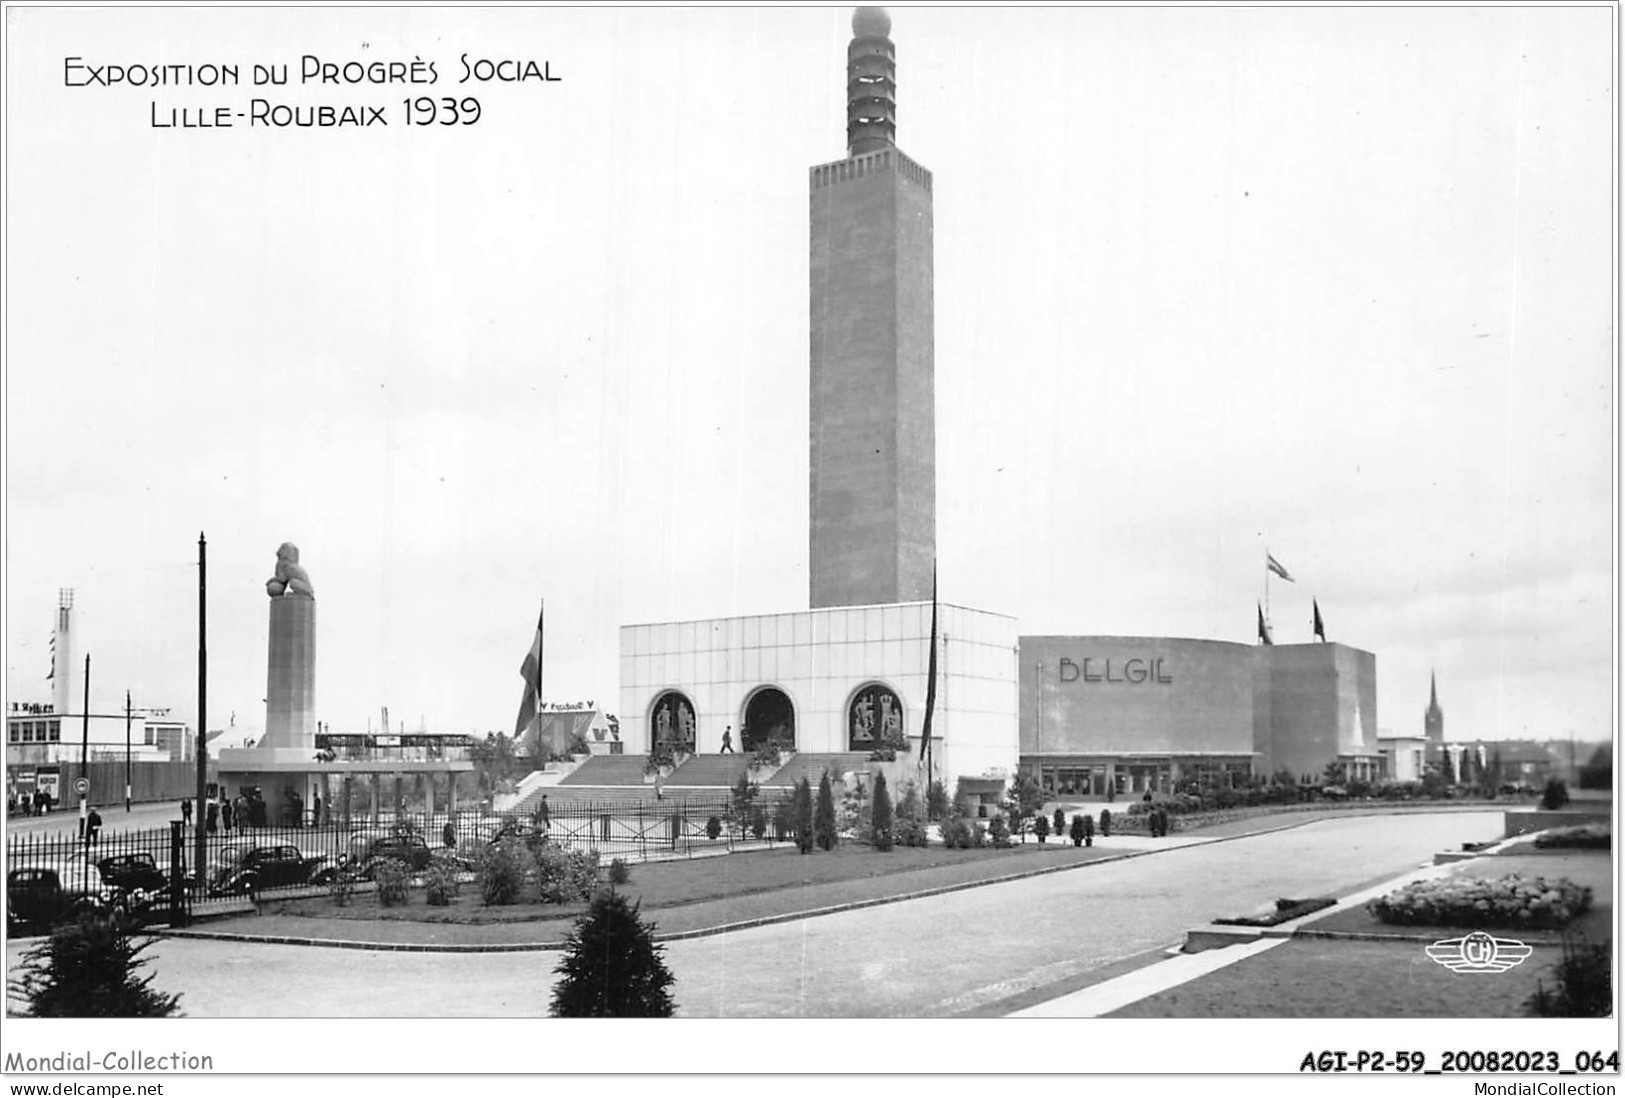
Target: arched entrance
874	719
671	721
769	715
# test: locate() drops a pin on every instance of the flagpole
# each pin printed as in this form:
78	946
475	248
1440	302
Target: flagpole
1266	585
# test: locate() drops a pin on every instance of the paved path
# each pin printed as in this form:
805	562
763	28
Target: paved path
964	952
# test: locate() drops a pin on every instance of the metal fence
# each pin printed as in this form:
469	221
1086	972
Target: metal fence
628	829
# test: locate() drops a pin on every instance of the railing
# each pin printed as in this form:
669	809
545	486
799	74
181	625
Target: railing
673	828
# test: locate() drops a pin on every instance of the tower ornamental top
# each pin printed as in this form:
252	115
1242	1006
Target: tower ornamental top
871	84
870	23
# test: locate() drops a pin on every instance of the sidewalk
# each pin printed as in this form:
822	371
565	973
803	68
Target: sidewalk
1342	963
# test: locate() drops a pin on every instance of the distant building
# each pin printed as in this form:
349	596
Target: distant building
1404	758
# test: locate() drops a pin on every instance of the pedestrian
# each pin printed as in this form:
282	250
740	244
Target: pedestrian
316	810
93	827
211	820
225	813
543	815
448	834
186	812
727	741
239	813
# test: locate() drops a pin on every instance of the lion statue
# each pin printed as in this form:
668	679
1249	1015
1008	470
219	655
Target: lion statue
290	579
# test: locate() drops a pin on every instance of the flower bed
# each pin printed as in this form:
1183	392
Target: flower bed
1584	837
1510	901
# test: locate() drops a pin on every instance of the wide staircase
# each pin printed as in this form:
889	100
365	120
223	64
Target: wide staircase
606	770
811	766
718	772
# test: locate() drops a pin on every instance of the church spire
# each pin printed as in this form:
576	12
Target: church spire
1433	720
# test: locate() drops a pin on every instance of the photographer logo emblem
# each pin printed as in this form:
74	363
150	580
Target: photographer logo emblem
1478	952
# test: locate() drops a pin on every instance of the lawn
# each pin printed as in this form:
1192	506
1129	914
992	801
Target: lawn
849	873
1348	979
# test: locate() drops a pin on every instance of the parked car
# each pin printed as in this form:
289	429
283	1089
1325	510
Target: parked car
134	872
242	870
43	894
371	847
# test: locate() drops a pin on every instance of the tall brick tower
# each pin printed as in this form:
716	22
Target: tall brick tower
873	470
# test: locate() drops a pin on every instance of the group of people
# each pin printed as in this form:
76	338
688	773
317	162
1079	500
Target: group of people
37	803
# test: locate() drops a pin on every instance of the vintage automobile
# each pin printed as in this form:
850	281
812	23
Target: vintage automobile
245	869
43	894
137	872
369	848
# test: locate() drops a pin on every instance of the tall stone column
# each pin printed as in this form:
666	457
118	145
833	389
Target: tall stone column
290	689
290	699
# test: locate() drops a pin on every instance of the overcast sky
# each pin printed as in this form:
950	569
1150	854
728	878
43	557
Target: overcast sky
1335	282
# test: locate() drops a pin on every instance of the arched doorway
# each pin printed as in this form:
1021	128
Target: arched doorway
769	715
671	721
874	719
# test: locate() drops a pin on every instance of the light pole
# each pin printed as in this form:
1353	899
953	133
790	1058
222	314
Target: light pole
84	752
202	702
126	751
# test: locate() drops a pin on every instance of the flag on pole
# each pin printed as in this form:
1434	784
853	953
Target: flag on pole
531	671
52	674
930	685
1263	628
1275	566
1320	626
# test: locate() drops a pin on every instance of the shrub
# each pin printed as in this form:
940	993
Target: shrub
999	833
824	816
440	883
856	812
661	757
758	821
1088	830
955	832
937	805
1105	823
784	818
802	810
910	832
769	753
88	969
1584	985
978	834
619	872
1584	837
713	828
612	967
1041	827
1511	901
1057	824
394	880
909	806
342	886
501	872
565	876
1556	795
1077	831
578	744
742	801
881	815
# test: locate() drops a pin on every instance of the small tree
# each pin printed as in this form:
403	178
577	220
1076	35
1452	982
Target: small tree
937	804
1556	795
1041	827
802	814
741	800
88	969
1077	831
1089	830
713	828
612	967
824	815
1026	797
998	831
881	814
1106	822
1058	823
